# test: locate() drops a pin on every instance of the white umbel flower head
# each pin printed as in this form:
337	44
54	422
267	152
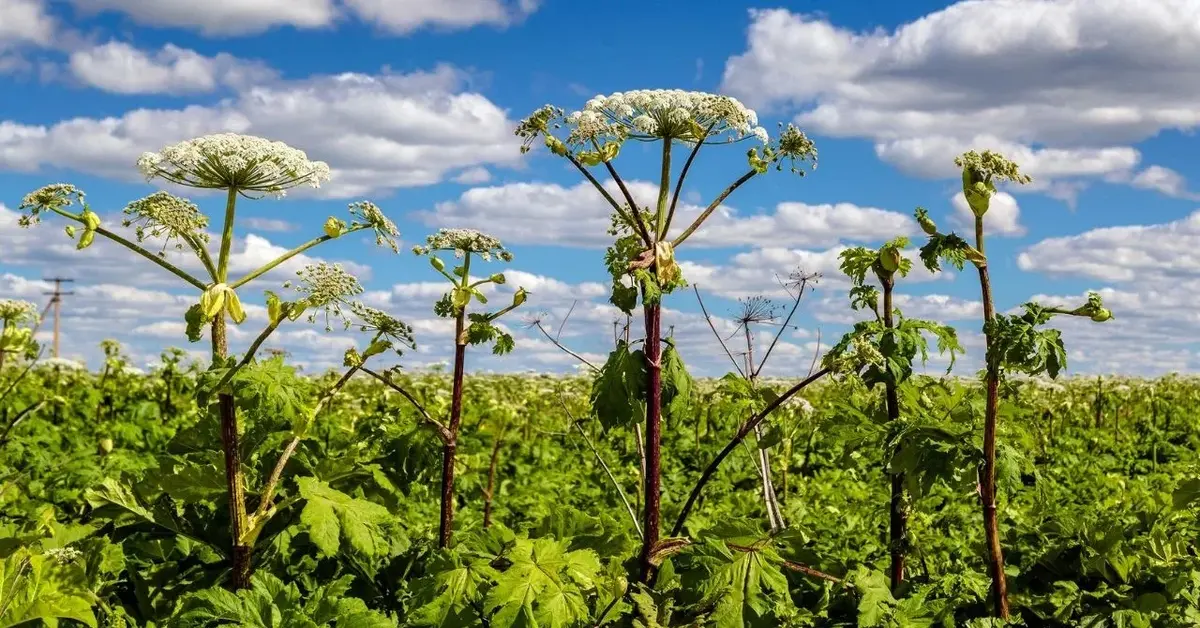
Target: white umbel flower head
463	241
232	161
53	197
164	215
17	311
63	363
668	114
327	288
366	214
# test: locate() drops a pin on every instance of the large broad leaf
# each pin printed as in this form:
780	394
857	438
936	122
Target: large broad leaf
329	516
619	390
743	587
269	603
546	586
677	384
43	588
448	596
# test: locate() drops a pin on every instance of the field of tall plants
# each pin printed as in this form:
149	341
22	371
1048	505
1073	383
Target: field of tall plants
240	491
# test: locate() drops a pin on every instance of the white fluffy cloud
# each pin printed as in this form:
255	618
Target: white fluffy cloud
243	17
578	215
119	67
24	22
1148	276
1003	217
1082	78
378	132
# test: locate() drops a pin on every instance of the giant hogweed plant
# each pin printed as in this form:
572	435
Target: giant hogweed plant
17	348
470	328
881	350
635	385
242	167
1014	343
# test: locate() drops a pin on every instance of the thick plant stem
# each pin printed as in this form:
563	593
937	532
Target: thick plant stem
898	520
450	446
234	481
987	483
651	513
489	496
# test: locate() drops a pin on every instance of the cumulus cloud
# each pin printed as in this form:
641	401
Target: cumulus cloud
1003	217
119	67
378	132
578	215
239	17
1079	80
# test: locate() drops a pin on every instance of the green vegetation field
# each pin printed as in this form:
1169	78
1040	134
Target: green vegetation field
240	492
113	507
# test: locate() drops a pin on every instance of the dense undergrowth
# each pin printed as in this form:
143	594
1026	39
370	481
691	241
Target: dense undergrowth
112	505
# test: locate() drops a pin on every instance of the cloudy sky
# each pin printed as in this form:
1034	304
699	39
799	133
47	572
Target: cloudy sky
413	103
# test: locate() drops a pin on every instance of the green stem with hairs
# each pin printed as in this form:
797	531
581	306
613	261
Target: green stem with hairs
711	208
664	189
226	235
174	270
271	265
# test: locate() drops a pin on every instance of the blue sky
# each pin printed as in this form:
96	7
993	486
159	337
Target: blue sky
412	103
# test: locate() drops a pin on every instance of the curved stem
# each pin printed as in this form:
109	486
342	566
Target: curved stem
443	431
202	253
168	266
271	265
745	429
564	348
268	492
711	208
687	165
254	346
578	425
632	220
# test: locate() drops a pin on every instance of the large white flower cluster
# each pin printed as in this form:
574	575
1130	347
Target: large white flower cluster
14	311
463	241
233	161
664	114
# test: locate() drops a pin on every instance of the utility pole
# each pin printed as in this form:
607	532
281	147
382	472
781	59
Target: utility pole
56	301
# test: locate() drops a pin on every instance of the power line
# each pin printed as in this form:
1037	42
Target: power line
56	301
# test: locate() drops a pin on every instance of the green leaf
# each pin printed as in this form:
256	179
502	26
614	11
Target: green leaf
677	384
618	392
40	588
330	516
546	586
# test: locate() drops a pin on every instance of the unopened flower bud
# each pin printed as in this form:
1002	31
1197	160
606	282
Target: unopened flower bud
519	297
927	225
1101	315
106	446
334	227
437	263
497	279
889	258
